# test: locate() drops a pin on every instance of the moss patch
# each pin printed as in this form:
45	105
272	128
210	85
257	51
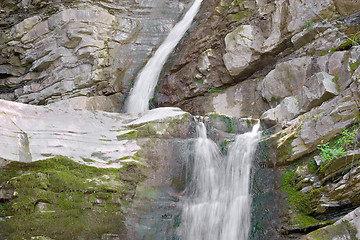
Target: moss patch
298	201
344	230
61	199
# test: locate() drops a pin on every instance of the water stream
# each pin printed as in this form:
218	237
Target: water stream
219	201
145	83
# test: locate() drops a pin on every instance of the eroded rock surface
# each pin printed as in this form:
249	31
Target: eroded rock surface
63	49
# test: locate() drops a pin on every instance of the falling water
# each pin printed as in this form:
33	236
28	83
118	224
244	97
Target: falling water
146	81
218	207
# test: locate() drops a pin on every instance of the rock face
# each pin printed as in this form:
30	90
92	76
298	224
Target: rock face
31	133
245	40
63	49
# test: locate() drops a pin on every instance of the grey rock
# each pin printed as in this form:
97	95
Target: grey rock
243	46
287	110
348	227
317	89
276	85
242	100
316	126
98	46
83	134
24	149
347	7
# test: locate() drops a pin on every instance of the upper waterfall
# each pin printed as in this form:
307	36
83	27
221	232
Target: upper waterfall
145	83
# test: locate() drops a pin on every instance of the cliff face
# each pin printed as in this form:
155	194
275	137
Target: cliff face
53	50
293	64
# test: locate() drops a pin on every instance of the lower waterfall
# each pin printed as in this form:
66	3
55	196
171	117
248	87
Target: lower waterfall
219	202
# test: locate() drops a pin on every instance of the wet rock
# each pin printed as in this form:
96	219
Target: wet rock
241	100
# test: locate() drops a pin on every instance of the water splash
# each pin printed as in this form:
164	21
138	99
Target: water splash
219	204
146	81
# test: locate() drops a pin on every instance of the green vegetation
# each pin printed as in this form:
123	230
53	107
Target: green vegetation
354	65
61	199
239	6
337	148
308	24
354	40
216	89
298	200
200	81
224	119
224	146
334	231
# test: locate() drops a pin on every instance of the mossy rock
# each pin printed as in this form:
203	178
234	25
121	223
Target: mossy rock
61	199
343	230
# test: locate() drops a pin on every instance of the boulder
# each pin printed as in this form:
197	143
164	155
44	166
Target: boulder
276	85
287	110
317	89
243	47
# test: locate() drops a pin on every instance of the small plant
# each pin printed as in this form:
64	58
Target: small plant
200	81
354	40
216	89
308	24
337	148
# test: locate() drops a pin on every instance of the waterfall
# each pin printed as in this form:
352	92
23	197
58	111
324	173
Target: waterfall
146	81
219	201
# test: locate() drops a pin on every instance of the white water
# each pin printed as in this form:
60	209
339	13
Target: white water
146	81
219	204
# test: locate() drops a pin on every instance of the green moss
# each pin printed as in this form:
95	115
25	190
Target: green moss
216	89
348	43
226	120
224	145
62	199
312	166
285	149
200	81
129	135
308	24
354	65
299	201
239	15
335	232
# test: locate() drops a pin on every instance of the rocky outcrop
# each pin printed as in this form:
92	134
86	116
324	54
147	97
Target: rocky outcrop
63	49
248	48
107	160
102	139
346	228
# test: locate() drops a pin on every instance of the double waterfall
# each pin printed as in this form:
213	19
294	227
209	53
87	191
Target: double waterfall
219	202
